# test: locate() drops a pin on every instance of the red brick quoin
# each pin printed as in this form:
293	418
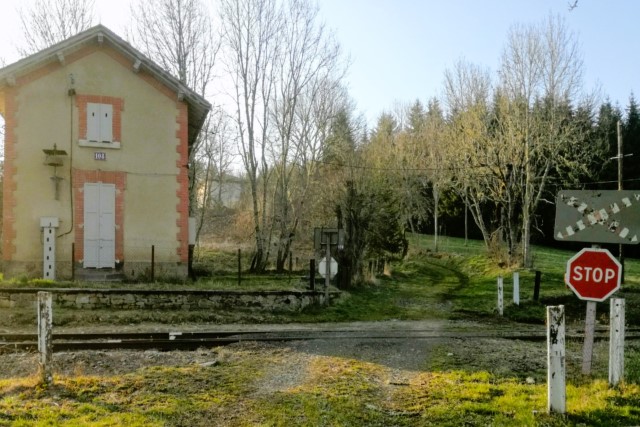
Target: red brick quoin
183	182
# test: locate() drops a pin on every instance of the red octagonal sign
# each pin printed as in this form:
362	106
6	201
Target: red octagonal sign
593	274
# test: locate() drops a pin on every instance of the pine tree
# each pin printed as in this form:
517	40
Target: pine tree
606	131
631	145
341	140
417	117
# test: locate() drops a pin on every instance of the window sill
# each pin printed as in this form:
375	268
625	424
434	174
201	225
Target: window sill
94	144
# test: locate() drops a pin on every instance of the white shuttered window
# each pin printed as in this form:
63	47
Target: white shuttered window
99	122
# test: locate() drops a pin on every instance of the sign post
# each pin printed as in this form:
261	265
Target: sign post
593	275
327	237
602	216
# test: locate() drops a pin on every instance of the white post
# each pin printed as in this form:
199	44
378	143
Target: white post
616	342
516	288
556	387
45	347
49	225
500	296
589	331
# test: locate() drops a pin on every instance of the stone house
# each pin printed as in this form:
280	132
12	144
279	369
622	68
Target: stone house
97	138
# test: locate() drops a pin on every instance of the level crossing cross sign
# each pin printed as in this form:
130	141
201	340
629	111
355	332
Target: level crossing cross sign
605	216
593	274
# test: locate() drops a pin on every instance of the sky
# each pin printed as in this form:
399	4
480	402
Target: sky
400	49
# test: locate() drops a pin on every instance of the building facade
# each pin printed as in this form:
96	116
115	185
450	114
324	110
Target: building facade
97	142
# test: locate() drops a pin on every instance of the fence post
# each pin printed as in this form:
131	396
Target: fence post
239	267
312	274
153	263
536	287
616	341
500	296
45	347
556	386
73	261
516	288
327	273
290	261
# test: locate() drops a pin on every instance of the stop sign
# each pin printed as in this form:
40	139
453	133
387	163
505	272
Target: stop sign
593	274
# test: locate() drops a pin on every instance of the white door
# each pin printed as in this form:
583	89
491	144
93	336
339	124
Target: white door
99	225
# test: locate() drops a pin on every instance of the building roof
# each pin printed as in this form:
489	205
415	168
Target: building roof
198	106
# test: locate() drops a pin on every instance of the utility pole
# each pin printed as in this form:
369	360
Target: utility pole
620	166
620	189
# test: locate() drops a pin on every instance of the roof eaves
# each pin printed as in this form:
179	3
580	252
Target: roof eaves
197	103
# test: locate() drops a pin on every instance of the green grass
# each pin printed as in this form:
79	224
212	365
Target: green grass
479	296
334	392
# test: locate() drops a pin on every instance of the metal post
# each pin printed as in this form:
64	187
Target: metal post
290	261
45	347
312	274
73	261
556	386
536	286
500	296
589	331
153	263
620	185
239	267
327	272
516	288
616	341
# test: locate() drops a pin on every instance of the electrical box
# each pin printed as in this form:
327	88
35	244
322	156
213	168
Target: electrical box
49	221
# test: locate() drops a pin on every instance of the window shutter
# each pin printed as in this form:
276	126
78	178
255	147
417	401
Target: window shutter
106	123
93	122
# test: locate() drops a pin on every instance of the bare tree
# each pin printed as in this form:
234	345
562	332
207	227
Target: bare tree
177	34
541	71
250	30
214	161
467	91
307	62
49	22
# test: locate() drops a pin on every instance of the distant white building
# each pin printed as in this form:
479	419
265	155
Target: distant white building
227	191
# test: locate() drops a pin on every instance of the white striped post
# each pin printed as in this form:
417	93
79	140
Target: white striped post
556	386
616	341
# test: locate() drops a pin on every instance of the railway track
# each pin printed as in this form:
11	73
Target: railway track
192	340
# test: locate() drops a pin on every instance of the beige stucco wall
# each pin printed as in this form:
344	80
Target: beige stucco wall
47	115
